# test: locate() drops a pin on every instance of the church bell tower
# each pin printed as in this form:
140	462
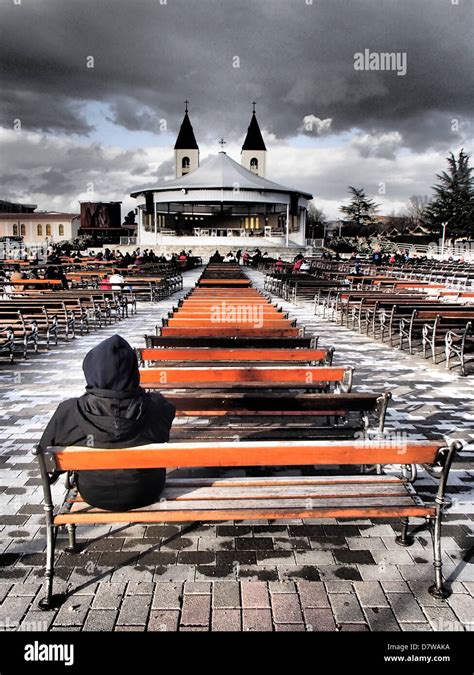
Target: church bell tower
186	149
254	153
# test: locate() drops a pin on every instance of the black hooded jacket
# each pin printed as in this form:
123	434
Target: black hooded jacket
115	412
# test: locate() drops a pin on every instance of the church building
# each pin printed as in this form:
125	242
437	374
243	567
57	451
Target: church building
221	198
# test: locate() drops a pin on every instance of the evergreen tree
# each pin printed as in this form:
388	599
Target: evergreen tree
453	202
361	209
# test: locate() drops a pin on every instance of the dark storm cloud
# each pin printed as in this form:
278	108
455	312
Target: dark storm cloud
296	59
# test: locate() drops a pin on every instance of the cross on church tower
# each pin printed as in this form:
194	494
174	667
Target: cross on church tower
254	103
186	103
222	143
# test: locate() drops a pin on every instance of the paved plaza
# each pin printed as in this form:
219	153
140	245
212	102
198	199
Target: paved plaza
317	574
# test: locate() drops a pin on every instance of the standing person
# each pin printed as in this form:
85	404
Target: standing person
115	412
116	280
238	256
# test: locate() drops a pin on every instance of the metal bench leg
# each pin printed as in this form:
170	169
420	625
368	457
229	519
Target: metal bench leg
437	590
72	546
47	603
403	538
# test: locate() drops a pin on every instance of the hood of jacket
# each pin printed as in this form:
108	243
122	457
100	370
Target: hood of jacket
114	404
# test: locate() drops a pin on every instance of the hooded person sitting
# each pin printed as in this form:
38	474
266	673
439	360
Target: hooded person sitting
115	412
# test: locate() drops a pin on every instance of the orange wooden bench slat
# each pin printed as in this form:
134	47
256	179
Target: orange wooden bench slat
223	354
307	375
241	514
262	453
234	331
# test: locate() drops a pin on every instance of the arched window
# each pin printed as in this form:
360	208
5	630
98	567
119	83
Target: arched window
23	230
185	164
39	230
48	230
15	230
61	230
254	164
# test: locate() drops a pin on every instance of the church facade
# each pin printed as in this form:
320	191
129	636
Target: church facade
221	198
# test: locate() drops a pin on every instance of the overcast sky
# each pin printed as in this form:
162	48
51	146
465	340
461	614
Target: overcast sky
71	132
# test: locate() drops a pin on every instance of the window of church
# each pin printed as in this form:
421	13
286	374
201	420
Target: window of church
185	164
254	164
39	230
23	230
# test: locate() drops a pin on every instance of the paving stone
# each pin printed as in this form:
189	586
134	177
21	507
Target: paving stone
73	612
468	584
14	608
36	620
255	595
313	594
367	544
290	627
101	620
168	595
282	587
395	586
314	558
463	606
197	588
353	628
275	557
226	595
286	608
163	620
336	586
300	572
405	608
4	589
196	610
226	620
370	594
418	627
27	589
381	619
380	572
346	608
140	588
443	619
319	620
352	557
134	610
400	557
257	620
254	544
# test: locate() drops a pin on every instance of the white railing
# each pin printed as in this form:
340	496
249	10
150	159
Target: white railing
128	241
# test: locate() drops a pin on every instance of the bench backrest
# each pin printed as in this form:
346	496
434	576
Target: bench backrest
245	453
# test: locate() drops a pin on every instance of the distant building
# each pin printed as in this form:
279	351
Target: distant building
14	207
40	228
220	201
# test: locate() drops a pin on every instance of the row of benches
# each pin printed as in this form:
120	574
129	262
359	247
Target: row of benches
438	322
295	408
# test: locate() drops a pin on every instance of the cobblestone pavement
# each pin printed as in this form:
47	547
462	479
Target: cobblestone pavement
313	575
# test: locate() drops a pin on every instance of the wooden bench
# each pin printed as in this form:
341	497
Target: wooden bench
217	499
237	378
257	342
459	343
277	416
240	355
